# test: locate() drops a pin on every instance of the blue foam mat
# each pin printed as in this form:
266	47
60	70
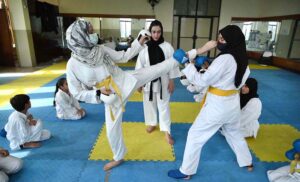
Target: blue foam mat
65	156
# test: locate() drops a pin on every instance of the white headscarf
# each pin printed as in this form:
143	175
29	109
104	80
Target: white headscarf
82	48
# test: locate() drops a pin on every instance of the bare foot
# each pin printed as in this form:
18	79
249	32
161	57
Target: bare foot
187	178
31	145
150	129
112	164
169	139
250	168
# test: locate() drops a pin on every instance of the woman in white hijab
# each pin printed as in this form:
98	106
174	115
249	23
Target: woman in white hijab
93	77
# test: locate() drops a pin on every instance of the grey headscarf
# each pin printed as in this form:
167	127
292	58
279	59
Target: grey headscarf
79	43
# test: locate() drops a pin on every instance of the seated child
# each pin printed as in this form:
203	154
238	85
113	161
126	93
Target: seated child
22	130
67	107
251	107
288	173
295	166
8	165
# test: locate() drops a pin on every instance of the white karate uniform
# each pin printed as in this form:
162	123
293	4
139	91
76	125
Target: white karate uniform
66	106
200	96
79	75
19	131
217	112
193	89
201	92
282	174
111	45
9	165
249	117
162	105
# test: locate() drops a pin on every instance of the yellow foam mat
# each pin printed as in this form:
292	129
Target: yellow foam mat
30	82
272	141
188	110
184	112
262	67
140	145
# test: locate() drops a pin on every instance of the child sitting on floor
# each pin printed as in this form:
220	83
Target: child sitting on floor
67	107
295	166
8	165
22	130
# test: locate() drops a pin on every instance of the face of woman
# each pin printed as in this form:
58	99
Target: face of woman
90	29
221	43
155	33
221	39
245	89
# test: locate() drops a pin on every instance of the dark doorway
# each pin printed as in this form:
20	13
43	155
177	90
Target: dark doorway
7	50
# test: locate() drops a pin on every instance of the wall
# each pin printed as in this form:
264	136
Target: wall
22	31
279	7
266	8
163	11
111	27
295	53
241	9
113	7
256	8
284	38
95	22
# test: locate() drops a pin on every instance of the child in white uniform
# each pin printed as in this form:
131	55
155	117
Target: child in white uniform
8	165
289	173
22	130
157	93
250	108
67	107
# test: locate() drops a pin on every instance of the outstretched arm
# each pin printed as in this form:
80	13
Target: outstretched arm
205	48
122	56
211	76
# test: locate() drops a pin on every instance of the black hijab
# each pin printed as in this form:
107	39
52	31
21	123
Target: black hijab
156	54
236	46
251	83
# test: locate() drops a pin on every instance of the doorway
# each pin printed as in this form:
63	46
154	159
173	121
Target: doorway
193	32
7	51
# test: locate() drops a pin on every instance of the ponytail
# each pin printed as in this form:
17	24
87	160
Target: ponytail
59	83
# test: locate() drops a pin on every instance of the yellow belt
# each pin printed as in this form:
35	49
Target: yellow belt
107	83
218	92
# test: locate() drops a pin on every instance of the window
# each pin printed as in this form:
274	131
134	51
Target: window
247	29
125	27
272	28
147	23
